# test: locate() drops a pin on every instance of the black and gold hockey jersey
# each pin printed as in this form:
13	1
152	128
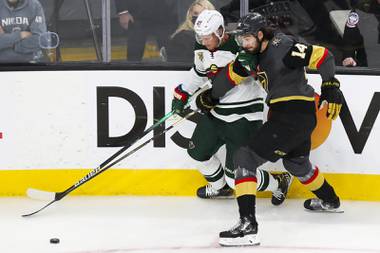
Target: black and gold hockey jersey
281	72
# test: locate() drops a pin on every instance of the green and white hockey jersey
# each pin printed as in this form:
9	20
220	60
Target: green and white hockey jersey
244	100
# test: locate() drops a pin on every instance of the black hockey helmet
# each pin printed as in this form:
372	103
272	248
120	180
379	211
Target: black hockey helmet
250	24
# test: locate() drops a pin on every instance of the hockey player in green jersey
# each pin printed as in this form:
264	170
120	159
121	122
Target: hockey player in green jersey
287	133
238	115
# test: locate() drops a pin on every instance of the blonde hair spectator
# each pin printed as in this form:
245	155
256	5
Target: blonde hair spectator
194	10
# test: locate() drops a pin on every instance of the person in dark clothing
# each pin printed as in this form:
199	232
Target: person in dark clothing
287	133
22	23
354	53
144	18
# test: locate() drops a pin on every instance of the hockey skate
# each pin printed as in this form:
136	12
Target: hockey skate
284	181
208	192
318	205
244	233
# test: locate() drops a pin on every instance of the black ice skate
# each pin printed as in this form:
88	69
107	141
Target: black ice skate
318	205
244	233
284	181
208	192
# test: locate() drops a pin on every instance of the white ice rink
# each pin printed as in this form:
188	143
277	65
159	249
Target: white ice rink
181	224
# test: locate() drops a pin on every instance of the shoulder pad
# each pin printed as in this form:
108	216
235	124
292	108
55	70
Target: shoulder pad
298	55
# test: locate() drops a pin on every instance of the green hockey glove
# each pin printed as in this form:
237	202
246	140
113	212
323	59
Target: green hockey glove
248	61
180	99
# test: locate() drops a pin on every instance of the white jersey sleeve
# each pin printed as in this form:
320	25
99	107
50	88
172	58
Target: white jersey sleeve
197	77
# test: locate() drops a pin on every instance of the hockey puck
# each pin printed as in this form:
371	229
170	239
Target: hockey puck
54	240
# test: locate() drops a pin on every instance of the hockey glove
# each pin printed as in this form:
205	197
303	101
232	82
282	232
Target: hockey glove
205	102
248	61
180	99
331	94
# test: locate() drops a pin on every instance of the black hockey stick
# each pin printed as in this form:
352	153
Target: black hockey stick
56	196
50	196
59	195
154	137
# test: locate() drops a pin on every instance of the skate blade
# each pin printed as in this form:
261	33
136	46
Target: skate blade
248	240
338	210
224	197
220	197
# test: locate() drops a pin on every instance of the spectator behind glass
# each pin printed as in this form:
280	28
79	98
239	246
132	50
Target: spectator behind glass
22	23
181	44
141	18
354	53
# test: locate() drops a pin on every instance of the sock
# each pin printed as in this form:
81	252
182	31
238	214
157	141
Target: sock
319	186
326	192
213	172
246	195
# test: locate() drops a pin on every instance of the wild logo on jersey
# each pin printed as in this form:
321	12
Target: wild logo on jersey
213	69
200	56
263	79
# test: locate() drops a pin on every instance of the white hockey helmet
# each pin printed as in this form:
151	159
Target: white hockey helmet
209	22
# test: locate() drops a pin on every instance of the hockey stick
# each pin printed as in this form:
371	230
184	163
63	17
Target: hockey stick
56	196
49	196
60	195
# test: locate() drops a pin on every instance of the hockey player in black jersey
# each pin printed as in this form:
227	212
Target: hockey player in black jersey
287	133
238	114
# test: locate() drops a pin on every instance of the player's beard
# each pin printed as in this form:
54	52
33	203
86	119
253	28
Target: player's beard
256	49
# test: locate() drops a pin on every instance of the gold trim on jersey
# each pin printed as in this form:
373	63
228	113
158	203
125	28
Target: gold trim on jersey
317	56
263	79
282	99
233	77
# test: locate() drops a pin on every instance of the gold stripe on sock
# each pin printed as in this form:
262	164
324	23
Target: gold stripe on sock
316	181
246	186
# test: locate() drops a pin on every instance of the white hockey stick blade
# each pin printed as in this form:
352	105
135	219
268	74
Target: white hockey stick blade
40	195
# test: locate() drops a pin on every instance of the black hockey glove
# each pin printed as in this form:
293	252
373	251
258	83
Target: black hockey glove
205	102
180	99
331	94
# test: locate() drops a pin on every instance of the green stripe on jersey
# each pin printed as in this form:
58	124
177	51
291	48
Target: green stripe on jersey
259	107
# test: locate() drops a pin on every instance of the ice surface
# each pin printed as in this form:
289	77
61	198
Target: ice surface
181	224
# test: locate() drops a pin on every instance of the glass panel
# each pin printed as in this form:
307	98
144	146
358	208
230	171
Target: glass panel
162	34
160	31
50	31
78	24
350	29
